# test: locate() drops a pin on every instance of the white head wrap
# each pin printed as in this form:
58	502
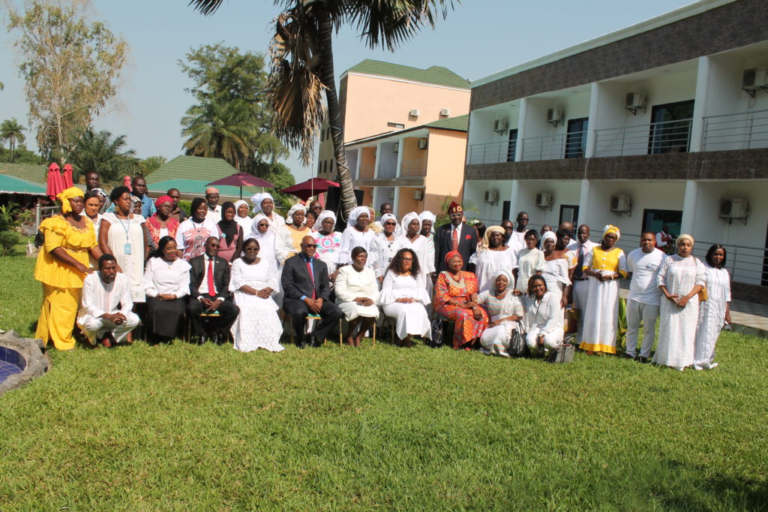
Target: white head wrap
506	273
298	207
255	230
238	204
427	215
325	214
549	235
257	199
358	212
410	217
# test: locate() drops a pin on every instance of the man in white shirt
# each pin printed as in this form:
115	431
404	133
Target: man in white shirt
644	296
580	248
214	209
517	237
105	316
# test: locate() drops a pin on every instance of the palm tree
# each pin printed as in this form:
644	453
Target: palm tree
11	131
301	54
100	152
224	131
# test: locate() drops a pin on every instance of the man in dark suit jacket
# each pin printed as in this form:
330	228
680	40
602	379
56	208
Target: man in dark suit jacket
210	307
306	290
455	236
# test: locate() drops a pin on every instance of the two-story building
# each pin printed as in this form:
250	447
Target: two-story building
405	132
665	121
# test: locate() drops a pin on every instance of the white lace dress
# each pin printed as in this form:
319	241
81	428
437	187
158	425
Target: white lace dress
712	314
258	325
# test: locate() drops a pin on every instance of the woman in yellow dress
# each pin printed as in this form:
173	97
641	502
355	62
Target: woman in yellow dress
289	237
62	266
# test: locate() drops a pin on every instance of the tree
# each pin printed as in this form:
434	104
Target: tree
101	153
12	131
230	120
72	65
21	155
301	62
151	164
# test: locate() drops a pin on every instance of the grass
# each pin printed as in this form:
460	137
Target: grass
183	427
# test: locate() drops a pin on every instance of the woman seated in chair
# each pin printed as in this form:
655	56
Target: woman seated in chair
166	283
505	311
404	299
456	300
543	316
357	292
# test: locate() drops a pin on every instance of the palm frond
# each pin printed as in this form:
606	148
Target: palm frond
206	7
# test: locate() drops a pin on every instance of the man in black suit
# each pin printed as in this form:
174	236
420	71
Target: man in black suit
456	236
210	307
306	288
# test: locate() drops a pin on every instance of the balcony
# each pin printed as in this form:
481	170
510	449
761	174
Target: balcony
387	170
492	152
366	171
745	130
414	167
645	139
554	147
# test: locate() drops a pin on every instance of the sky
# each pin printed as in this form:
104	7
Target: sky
478	38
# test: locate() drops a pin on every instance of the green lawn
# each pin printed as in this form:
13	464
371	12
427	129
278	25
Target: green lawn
184	427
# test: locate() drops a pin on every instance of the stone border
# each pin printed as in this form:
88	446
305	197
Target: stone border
33	351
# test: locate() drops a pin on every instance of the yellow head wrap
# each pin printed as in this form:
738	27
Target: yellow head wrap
66	195
610	228
486	242
685	237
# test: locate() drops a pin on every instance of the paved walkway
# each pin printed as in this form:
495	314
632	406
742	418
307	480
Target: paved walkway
746	317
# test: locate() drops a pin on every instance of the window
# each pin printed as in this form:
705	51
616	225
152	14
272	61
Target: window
653	220
670	128
395	125
512	146
319	167
570	213
576	140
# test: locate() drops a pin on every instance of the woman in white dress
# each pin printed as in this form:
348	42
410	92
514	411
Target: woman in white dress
357	292
386	245
254	281
328	241
543	316
264	203
242	218
530	262
505	312
123	235
266	238
681	278
606	263
714	312
413	239
555	270
357	234
166	283
404	299
493	255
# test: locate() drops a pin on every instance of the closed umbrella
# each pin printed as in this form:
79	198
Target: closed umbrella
242	179
55	183
67	175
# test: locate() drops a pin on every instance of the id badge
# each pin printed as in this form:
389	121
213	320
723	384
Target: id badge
127	249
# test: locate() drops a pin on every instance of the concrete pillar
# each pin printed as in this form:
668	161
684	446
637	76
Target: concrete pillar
399	170
585	201
594	103
396	202
522	121
515	198
379	152
688	223
700	104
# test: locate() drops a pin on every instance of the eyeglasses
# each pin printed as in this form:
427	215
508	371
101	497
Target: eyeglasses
309	245
407	259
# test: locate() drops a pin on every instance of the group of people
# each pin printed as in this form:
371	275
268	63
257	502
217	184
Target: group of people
110	263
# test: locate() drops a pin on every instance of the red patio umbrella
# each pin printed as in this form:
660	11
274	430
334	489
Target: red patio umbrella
55	182
242	179
309	188
67	175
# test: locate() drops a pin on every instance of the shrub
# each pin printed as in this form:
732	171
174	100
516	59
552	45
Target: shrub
186	206
8	240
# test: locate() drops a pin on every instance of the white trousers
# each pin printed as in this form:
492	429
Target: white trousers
94	327
551	339
580	297
648	314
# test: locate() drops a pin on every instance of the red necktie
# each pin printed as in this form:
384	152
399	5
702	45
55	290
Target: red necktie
312	276
455	239
211	287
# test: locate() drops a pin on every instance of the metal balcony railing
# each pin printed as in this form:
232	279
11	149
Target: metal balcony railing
492	152
387	170
554	147
414	167
744	130
645	139
366	171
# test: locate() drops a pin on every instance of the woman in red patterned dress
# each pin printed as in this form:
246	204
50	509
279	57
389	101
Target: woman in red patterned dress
456	300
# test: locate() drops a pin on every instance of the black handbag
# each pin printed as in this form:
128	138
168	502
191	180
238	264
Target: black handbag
517	346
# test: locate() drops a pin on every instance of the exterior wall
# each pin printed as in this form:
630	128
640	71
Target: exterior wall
563	192
407	203
490	214
411	155
372	102
368	162
445	167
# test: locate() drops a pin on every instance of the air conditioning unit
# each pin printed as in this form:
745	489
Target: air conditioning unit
392	194
544	200
734	209
555	116
418	194
500	126
755	78
492	196
445	112
396	147
422	143
635	101
414	112
621	204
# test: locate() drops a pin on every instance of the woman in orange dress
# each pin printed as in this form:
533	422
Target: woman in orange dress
62	265
456	300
